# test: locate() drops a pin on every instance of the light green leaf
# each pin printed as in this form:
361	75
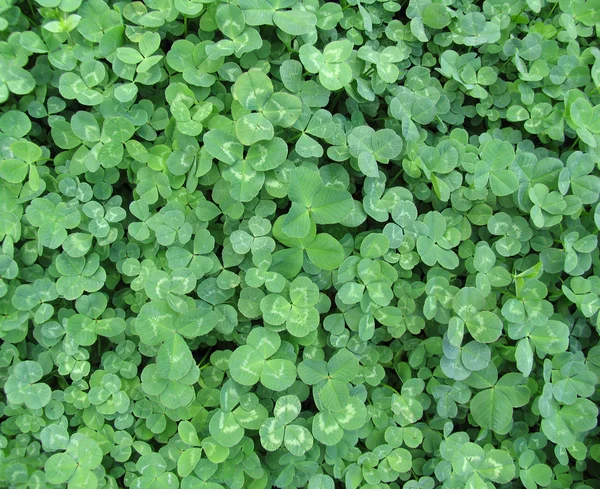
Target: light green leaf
491	409
325	252
295	22
251	128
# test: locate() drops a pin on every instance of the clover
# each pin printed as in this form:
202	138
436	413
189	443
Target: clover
300	316
251	362
330	64
279	430
76	464
23	386
313	202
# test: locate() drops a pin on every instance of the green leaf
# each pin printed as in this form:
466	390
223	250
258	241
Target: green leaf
283	109
246	365
59	468
400	460
304	184
298	440
330	205
267	155
297	221
436	16
295	22
253	89
503	182
278	374
498	466
245	181
491	409
230	20
271	434
587	12
485	326
287	408
334	394
15	123
325	252
174	358
551	337
302	321
326	429
223	146
251	128
225	429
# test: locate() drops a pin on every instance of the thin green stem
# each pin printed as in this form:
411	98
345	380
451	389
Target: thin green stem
574	143
519	14
393	178
185	25
501	69
290	49
551	11
335	101
29	19
344	4
390	387
200	363
32	10
297	136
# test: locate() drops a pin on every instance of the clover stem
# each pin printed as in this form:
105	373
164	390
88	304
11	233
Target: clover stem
504	64
369	71
394	178
551	11
28	18
519	14
185	25
62	382
390	387
335	101
204	358
297	136
32	11
290	49
574	143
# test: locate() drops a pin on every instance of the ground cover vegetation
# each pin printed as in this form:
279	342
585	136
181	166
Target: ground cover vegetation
299	243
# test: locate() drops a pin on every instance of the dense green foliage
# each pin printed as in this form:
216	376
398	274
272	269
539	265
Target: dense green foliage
299	243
